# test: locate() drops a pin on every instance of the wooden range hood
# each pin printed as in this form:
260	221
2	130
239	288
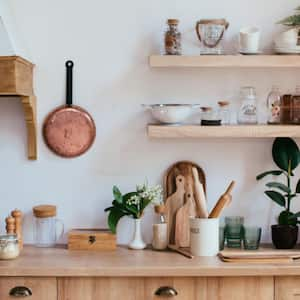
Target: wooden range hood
16	79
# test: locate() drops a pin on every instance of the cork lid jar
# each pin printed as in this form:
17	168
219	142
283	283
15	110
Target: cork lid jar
44	211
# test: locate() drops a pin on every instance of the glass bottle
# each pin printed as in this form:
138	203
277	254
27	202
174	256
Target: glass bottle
224	112
172	38
296	106
210	117
273	105
248	110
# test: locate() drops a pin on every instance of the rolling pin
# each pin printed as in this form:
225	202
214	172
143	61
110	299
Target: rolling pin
223	201
200	199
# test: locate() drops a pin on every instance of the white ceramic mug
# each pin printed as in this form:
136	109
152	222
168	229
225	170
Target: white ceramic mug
204	236
249	39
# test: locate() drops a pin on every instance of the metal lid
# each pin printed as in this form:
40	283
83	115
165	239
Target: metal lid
8	237
44	211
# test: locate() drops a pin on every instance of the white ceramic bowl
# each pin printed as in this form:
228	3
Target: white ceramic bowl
171	113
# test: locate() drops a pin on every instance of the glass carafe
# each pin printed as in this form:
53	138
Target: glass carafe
248	110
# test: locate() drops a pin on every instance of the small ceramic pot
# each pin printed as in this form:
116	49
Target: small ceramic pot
284	236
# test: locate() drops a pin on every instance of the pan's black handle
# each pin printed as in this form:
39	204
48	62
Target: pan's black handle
69	97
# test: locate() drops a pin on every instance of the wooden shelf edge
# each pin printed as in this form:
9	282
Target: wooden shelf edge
226	61
233	131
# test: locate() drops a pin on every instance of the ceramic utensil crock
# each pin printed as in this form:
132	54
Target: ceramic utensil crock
204	236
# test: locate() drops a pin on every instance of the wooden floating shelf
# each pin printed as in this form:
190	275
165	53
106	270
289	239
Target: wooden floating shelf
233	131
16	79
226	61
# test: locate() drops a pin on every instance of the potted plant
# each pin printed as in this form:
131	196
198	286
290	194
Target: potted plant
292	21
286	156
133	205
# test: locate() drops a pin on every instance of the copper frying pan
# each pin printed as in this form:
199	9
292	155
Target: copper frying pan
69	130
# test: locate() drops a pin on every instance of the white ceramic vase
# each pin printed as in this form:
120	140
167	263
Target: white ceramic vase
137	242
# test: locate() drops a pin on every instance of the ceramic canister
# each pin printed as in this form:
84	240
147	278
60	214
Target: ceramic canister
204	235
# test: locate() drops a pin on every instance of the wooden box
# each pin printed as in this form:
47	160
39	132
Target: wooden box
91	239
16	76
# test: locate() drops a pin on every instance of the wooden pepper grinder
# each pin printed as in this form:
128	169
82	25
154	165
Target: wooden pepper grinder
17	214
10	225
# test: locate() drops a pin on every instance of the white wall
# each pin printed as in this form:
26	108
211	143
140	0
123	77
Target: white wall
109	42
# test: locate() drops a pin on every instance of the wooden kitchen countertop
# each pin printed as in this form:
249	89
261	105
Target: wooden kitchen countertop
59	262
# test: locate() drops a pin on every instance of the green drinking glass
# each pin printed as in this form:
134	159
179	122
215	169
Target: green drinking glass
234	231
252	236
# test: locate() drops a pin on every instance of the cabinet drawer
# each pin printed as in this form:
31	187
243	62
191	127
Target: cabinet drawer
287	288
179	288
233	288
40	288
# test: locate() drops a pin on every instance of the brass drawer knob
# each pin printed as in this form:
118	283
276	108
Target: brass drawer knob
20	292
166	291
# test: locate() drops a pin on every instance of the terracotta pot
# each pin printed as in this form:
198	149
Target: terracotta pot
284	236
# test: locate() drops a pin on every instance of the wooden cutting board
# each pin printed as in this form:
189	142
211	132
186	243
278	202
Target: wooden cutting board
263	255
173	203
181	168
182	227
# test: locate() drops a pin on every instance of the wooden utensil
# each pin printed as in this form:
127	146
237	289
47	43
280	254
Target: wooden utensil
181	168
223	201
182	227
69	130
10	225
200	199
180	251
17	215
173	203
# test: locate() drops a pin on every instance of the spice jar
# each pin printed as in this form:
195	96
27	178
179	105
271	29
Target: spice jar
210	117
46	225
9	247
172	38
286	115
296	106
224	112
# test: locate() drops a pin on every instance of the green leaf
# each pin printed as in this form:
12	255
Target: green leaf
108	208
295	215
273	172
127	196
117	194
298	187
113	219
280	186
287	218
276	197
285	151
290	21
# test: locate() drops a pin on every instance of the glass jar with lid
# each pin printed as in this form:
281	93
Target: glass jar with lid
210	116
46	225
248	110
172	38
273	105
9	247
296	106
224	112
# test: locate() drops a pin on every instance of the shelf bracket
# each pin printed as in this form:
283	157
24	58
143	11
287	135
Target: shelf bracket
29	107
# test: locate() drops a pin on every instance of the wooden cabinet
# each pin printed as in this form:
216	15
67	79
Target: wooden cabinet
40	288
186	288
287	288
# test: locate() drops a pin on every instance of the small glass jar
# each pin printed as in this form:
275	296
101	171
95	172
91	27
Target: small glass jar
273	105
46	226
286	109
9	247
210	117
172	38
224	112
248	110
296	106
